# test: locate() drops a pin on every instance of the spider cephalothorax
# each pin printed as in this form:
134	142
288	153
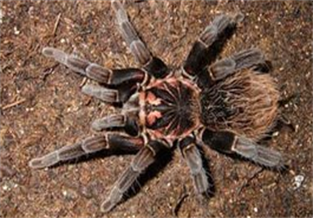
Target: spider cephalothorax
171	108
227	105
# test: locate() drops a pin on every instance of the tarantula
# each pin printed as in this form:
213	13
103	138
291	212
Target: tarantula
227	105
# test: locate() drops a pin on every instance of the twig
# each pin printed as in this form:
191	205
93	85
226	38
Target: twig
83	82
49	70
5	170
182	197
13	104
56	24
257	172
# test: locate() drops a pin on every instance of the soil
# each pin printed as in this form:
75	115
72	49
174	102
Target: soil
42	109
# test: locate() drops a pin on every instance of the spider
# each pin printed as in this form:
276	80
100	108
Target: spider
227	105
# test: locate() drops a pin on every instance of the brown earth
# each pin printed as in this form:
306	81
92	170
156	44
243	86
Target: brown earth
42	109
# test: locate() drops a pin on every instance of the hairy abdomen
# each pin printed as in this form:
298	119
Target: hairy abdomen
245	103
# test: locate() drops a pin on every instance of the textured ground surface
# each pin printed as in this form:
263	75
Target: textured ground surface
42	109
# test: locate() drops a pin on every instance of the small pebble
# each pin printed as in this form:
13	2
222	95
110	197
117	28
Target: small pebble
64	192
5	187
1	16
275	134
298	180
9	186
16	31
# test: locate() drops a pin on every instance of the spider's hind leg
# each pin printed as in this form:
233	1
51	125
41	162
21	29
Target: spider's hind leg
248	58
229	143
108	141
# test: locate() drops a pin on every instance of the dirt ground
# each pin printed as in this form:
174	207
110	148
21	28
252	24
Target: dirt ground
42	109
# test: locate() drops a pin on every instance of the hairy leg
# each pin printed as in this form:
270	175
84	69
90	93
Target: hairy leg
192	157
93	71
143	159
214	34
123	82
120	94
244	59
121	121
153	65
109	141
229	143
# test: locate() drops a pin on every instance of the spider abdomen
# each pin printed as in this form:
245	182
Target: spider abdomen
245	103
170	108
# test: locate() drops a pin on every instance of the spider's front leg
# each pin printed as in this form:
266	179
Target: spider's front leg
124	82
108	141
153	65
129	124
229	143
93	71
143	159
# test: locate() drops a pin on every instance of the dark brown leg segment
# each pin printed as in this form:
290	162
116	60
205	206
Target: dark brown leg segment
229	143
144	158
89	145
192	156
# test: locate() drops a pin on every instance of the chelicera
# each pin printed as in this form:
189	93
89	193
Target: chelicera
227	105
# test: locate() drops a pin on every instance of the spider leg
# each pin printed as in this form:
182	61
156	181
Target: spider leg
109	141
229	143
111	121
95	72
201	54
119	94
192	156
128	123
144	158
244	59
153	65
